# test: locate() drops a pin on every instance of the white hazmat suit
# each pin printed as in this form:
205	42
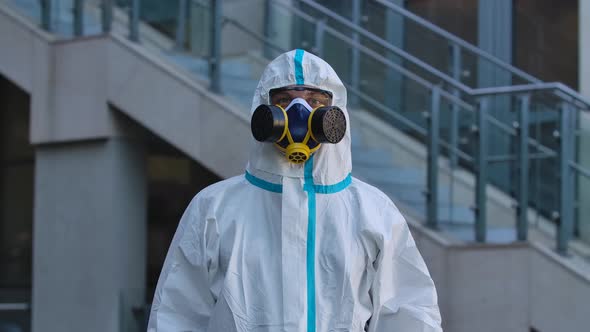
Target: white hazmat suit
290	247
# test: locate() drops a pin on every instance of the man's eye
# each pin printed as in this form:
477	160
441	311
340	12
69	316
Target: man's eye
284	101
313	102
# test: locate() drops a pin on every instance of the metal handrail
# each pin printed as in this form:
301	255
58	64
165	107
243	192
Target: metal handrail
421	81
580	169
456	40
407	122
537	85
257	36
383	43
383	60
566	92
15	306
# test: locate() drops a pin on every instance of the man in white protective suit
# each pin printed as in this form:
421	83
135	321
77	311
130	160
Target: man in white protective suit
295	243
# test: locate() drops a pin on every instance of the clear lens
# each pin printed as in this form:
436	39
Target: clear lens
313	98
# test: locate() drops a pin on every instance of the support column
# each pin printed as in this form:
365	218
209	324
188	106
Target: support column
394	34
584	143
495	36
89	216
355	55
89	235
280	27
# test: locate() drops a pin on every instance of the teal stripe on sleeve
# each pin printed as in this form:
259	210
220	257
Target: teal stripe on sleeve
299	67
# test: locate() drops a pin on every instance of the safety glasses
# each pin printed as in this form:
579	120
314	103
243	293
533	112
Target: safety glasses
313	96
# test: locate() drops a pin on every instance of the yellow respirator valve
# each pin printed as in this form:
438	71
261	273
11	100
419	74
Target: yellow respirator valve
297	153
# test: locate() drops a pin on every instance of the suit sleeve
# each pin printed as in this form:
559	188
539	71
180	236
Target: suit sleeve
403	293
184	299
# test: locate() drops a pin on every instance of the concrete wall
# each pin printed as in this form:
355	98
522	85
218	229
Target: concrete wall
508	288
199	123
69	92
23	45
480	287
559	292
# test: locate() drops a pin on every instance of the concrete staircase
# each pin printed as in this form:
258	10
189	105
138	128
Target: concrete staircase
501	287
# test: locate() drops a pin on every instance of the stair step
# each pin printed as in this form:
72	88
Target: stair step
392	176
499	235
372	158
459	215
417	194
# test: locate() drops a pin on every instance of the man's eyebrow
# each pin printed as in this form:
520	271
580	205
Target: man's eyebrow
280	94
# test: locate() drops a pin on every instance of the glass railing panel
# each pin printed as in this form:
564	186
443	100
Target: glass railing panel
450	55
30	9
65	18
198	29
454	58
246	50
338	55
385	155
456	195
343	8
503	151
502	142
163	16
138	21
582	208
178	30
544	178
15	309
14	321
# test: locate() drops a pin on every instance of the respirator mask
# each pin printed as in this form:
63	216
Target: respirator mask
298	129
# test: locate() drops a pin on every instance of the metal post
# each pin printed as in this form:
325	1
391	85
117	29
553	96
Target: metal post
46	15
454	129
107	15
215	59
566	188
181	25
78	18
433	152
456	74
355	56
482	171
320	28
523	169
134	21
